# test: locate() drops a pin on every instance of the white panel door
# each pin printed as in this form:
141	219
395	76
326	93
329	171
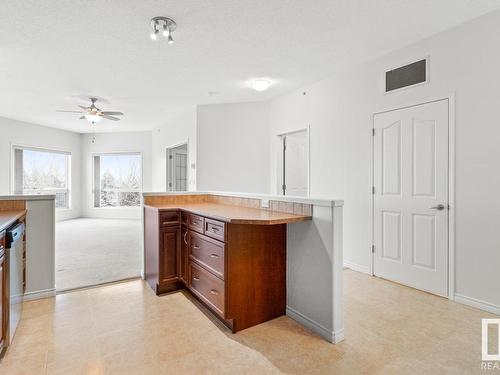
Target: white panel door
411	196
296	164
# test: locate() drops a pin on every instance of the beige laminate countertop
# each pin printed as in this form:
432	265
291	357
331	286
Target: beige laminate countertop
235	214
7	218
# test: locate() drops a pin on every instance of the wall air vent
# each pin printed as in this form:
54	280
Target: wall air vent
408	75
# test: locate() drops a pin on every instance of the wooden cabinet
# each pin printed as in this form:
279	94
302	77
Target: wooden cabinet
237	270
162	247
169	255
4	303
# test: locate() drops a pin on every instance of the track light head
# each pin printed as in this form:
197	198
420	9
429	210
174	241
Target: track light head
155	32
167	25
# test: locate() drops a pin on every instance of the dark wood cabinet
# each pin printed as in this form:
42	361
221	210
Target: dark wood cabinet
169	255
237	270
4	303
162	247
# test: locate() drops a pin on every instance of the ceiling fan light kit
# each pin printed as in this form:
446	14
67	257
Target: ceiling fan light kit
165	25
93	114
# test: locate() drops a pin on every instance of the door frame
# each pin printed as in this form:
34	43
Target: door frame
168	172
451	183
279	178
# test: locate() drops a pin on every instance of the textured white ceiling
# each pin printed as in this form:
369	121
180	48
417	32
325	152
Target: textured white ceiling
53	53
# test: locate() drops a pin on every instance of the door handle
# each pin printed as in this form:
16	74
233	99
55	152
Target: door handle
439	207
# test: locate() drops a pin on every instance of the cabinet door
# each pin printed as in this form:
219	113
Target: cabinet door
169	254
183	261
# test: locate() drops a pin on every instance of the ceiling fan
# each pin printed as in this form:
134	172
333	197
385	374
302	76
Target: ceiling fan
94	114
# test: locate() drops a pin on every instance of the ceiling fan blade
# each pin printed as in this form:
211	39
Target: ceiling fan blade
110	118
112	113
68	111
84	108
82	118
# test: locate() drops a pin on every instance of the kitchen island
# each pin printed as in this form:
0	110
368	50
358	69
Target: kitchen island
249	258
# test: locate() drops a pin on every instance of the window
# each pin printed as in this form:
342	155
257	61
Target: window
38	171
117	180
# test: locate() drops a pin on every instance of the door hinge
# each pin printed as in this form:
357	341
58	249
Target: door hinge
373	190
373	132
373	249
284	187
170	156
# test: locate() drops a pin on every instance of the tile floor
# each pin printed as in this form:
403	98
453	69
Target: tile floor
125	329
96	251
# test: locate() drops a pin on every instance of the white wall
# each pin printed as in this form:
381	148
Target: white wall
233	147
463	61
110	143
180	129
18	133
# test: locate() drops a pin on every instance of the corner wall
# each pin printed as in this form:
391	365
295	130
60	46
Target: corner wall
464	62
179	129
233	147
114	143
19	133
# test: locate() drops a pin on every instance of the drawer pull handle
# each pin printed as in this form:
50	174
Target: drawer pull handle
196	247
169	222
213	291
196	222
214	229
196	278
214	256
185	240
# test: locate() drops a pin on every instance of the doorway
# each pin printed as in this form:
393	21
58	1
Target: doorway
293	164
411	196
177	168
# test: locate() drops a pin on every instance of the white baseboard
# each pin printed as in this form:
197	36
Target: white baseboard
39	294
357	267
478	304
331	336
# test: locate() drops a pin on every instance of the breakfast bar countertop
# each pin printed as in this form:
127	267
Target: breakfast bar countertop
7	218
235	214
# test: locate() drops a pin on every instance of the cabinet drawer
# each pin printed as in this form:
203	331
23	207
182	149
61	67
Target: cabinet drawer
169	218
207	287
195	222
214	229
207	252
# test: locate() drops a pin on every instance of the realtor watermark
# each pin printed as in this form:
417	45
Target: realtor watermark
490	351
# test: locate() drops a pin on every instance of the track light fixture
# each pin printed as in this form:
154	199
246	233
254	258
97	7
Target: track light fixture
164	24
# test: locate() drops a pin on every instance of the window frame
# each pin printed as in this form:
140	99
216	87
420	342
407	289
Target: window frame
92	179
52	150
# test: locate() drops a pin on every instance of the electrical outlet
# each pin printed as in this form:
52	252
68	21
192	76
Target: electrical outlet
264	203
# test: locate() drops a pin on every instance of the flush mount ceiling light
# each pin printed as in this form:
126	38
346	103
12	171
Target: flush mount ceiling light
260	84
164	25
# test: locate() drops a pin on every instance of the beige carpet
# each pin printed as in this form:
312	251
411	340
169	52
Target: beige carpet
125	329
95	251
